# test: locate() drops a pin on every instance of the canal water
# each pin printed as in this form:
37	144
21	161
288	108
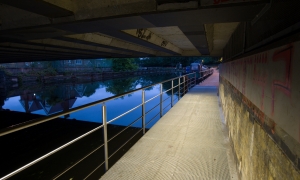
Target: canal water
84	158
48	100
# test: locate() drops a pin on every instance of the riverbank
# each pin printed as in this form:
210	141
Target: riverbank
38	76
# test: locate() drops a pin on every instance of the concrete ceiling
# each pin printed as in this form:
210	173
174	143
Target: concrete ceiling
70	29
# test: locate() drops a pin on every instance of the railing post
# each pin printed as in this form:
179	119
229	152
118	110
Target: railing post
172	95
189	83
184	84
161	100
104	118
195	79
178	88
143	111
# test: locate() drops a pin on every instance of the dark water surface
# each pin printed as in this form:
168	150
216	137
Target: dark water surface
61	97
84	158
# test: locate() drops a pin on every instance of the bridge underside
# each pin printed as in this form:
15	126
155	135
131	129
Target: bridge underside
55	30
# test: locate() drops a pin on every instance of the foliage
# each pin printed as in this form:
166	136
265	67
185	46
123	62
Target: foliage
91	88
52	95
123	64
174	61
121	86
20	81
2	68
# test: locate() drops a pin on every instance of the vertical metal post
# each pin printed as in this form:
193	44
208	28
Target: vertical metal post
195	79
143	111
184	84
172	95
178	88
161	100
104	118
189	82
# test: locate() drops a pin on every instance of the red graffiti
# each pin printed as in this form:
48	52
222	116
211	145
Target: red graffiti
244	76
260	78
284	86
240	64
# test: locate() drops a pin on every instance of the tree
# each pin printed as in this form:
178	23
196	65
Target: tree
91	88
123	64
121	86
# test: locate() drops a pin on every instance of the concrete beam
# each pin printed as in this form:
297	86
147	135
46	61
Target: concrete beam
65	4
220	36
60	43
99	38
121	27
224	2
30	48
151	37
13	18
16	52
191	53
39	7
209	31
108	8
177	5
97	10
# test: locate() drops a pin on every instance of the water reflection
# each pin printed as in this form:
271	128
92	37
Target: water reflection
47	100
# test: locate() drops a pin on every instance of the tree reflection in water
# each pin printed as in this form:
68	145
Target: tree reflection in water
121	86
61	97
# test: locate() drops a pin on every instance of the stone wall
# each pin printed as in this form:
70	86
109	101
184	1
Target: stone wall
260	97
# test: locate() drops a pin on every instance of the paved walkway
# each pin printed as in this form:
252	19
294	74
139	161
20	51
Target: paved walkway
212	80
189	142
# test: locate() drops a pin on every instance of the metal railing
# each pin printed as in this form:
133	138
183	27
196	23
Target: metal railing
205	74
185	83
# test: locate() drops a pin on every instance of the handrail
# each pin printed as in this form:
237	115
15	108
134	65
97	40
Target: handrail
50	153
152	98
112	120
51	117
104	125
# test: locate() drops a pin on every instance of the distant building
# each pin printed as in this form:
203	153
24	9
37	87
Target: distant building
23	65
77	63
60	66
99	63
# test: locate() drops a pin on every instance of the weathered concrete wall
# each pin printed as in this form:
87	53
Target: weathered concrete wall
260	96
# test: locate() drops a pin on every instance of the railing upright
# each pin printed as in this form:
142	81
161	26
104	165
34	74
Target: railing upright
104	118
161	100
189	83
172	95
184	84
143	112
178	88
195	78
